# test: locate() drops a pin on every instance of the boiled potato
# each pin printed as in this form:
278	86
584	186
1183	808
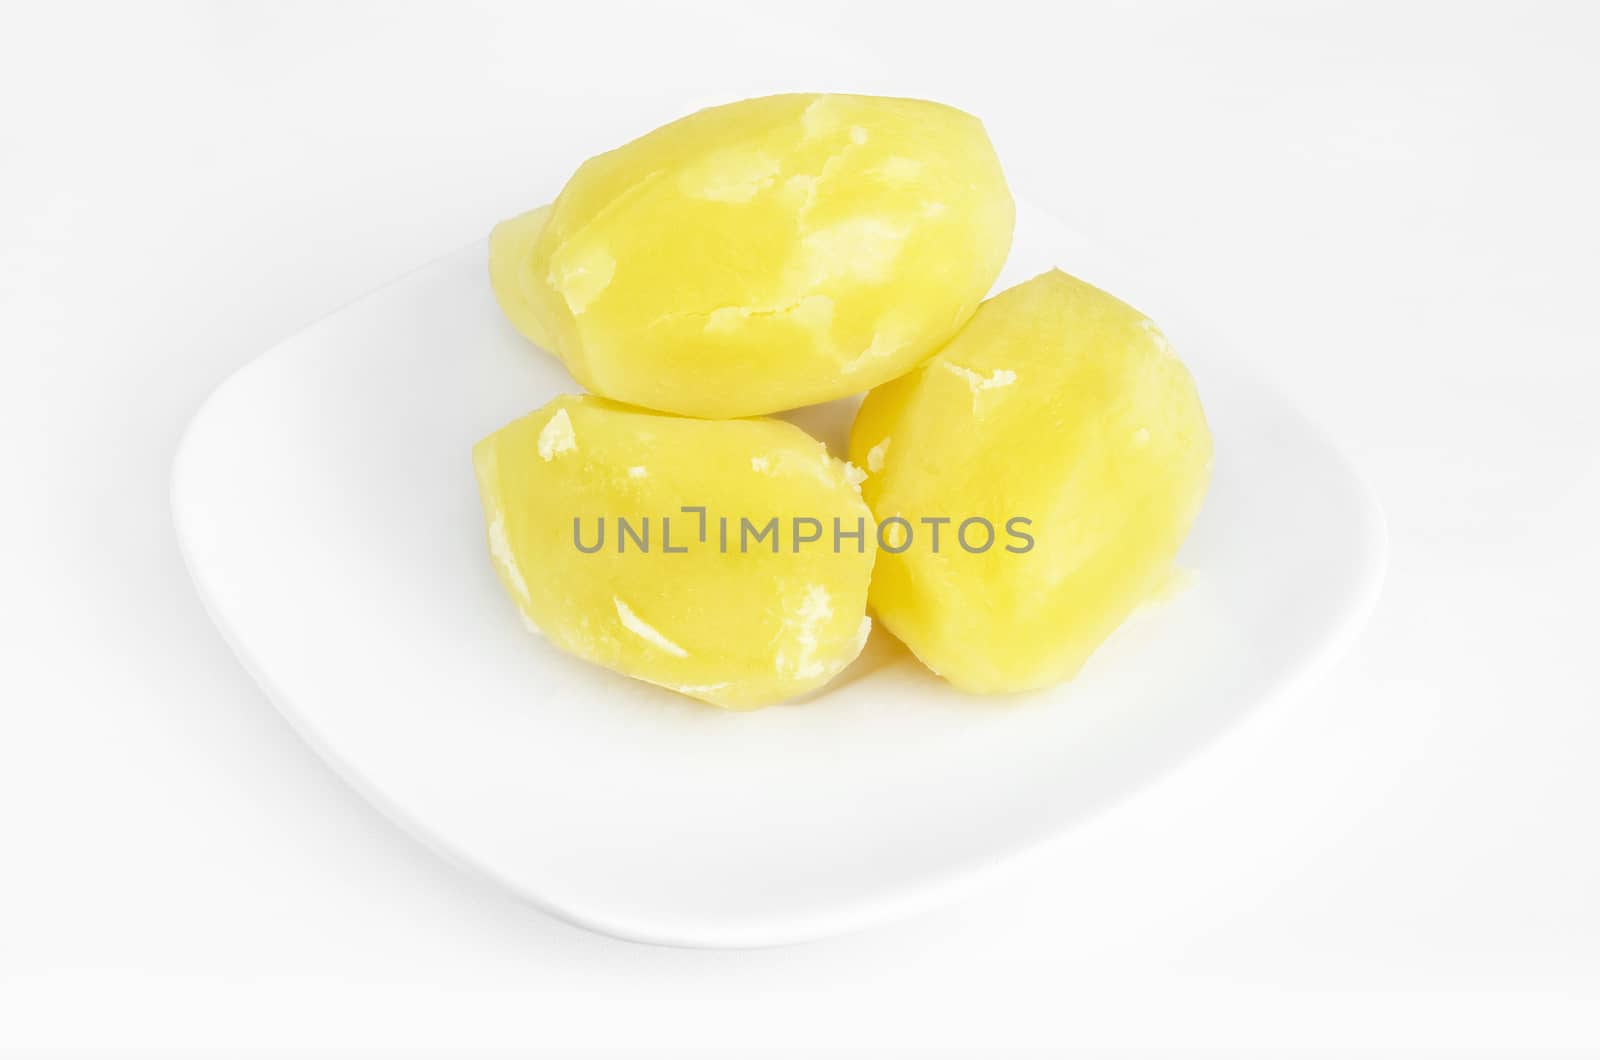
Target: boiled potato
762	255
1061	419
701	556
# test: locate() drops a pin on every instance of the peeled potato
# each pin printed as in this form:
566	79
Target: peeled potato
1061	417
695	601
762	255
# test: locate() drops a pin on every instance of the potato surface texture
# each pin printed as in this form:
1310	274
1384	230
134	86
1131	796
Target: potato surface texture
510	246
1057	404
736	624
762	255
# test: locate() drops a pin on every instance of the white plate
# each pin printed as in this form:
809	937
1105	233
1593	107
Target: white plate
326	508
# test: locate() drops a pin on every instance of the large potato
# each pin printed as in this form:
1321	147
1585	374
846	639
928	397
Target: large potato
585	499
1061	419
762	255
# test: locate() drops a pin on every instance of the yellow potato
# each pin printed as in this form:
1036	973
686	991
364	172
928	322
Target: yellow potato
1061	418
757	596
762	255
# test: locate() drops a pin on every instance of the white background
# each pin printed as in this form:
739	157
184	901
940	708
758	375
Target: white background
1390	209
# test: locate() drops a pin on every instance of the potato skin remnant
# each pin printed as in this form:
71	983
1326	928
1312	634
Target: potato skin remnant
1057	403
762	255
733	628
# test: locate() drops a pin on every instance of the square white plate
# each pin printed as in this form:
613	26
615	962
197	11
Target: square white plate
326	507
